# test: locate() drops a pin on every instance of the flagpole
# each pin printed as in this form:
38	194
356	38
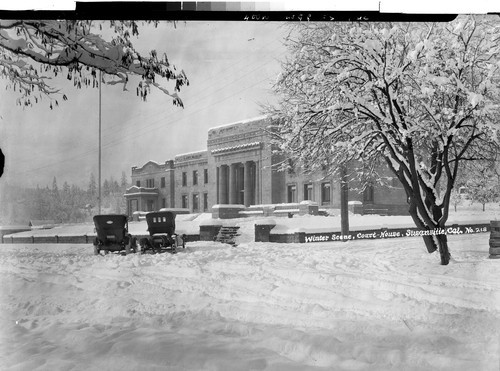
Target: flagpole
99	180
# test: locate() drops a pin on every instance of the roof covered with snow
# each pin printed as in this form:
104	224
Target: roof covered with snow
253	119
151	162
192	156
192	153
240	147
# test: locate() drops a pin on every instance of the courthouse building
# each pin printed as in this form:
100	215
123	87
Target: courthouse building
239	168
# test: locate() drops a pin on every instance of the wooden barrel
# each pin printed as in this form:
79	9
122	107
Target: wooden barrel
495	239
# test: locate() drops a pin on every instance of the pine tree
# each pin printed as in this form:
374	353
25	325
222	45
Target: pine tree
115	187
55	188
124	181
92	189
106	189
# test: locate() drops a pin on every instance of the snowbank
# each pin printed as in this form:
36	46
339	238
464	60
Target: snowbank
363	305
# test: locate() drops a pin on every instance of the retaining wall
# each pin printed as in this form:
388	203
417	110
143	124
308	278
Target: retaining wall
68	239
264	233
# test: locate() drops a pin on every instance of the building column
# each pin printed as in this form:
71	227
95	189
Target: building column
223	184
248	191
232	184
253	199
258	199
217	185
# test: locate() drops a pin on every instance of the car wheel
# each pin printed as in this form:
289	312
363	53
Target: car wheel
133	244
143	244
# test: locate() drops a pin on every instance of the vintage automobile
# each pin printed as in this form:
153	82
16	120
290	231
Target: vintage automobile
112	234
162	235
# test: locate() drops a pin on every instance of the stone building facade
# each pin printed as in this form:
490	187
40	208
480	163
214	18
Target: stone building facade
192	182
240	162
239	168
153	187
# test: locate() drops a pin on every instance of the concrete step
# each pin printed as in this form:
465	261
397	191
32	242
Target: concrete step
227	235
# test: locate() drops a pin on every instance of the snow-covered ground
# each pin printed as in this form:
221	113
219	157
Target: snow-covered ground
358	305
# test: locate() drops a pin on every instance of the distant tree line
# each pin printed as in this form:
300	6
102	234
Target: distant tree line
66	204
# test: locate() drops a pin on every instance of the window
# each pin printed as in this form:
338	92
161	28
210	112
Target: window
368	193
162	182
308	191
291	193
184	179
205	201
150	183
184	201
205	176
138	183
195	177
196	201
163	202
325	193
291	167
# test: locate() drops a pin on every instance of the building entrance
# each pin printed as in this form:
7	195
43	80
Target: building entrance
237	183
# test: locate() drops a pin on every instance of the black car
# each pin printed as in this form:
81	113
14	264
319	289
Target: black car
112	234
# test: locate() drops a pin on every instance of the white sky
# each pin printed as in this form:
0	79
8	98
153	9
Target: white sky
230	65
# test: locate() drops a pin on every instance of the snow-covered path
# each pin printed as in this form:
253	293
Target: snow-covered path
376	305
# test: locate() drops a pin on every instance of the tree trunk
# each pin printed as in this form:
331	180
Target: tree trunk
344	203
438	242
430	244
433	242
443	249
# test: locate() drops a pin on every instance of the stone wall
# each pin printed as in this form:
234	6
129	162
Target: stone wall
227	211
210	231
263	230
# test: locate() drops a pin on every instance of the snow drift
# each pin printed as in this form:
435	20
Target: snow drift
361	305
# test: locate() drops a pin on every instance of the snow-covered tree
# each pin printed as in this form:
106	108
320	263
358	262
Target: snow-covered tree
92	188
456	198
422	97
32	51
55	188
114	186
106	189
483	182
123	182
